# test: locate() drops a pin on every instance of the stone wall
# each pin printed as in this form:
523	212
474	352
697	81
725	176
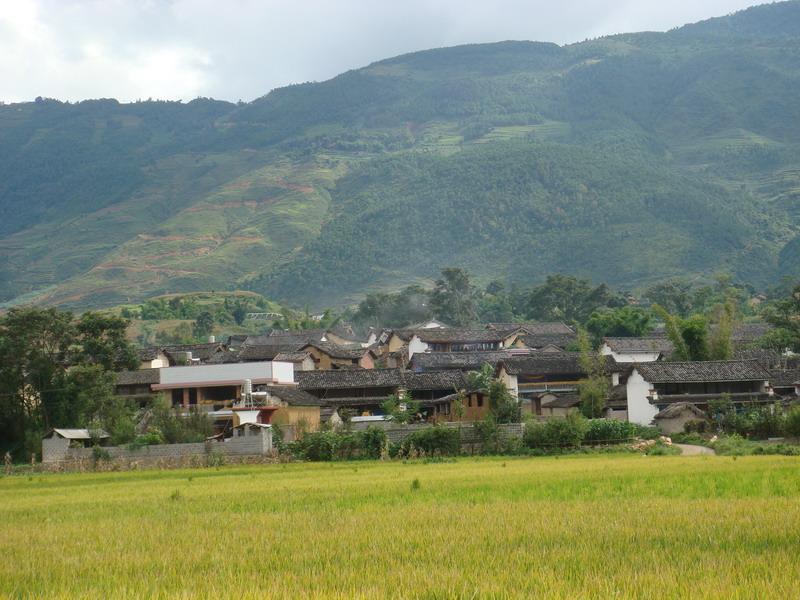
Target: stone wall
259	443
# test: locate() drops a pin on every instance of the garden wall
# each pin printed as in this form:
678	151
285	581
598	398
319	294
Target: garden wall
259	443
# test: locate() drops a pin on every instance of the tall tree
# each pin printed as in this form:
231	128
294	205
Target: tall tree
689	336
628	321
594	389
453	298
567	298
103	341
784	315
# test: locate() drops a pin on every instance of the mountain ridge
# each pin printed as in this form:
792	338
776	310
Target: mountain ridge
298	192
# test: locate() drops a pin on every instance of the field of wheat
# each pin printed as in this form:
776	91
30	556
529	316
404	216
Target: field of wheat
598	526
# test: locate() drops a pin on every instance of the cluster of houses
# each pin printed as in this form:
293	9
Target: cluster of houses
311	377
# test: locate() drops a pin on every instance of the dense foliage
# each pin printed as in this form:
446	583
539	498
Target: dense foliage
56	371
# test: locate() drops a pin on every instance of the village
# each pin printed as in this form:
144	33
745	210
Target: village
295	382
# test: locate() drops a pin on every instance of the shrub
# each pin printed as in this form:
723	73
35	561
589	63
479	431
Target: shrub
331	445
432	440
609	431
792	424
317	446
555	433
372	441
146	439
759	423
493	438
696	426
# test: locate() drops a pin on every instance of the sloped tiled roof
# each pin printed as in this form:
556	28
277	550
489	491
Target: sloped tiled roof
563	401
540	328
366	378
148	353
293	357
337	351
454	335
203	352
784	377
717	370
348	378
140	377
435	380
676	409
468	361
540	340
552	363
639	344
294	396
745	333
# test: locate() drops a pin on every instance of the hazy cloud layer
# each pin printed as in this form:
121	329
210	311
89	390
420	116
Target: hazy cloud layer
240	49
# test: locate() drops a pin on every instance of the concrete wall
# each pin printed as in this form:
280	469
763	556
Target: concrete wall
416	346
639	408
250	445
198	375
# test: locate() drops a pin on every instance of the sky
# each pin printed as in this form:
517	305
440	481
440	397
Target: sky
241	49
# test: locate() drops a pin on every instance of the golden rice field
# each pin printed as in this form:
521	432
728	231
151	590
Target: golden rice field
597	527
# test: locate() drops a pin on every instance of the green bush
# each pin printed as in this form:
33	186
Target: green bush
146	439
372	442
332	445
445	441
609	431
792	424
758	423
696	426
555	433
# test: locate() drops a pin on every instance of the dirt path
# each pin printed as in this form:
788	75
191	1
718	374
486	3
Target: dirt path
691	450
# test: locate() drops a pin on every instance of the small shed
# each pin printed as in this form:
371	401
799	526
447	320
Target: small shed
673	418
57	441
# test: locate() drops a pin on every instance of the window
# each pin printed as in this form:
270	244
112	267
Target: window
480	401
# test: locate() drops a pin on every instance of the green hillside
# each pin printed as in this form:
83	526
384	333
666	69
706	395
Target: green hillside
625	159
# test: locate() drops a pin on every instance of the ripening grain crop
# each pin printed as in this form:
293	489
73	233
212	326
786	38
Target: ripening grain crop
602	526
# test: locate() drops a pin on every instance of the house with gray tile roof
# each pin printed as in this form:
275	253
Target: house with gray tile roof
653	386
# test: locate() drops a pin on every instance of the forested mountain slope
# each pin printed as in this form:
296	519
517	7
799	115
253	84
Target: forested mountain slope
625	159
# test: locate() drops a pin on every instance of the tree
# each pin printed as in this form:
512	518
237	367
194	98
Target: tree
720	344
567	298
689	336
453	298
673	295
102	341
784	315
628	321
203	325
239	312
503	405
401	408
594	389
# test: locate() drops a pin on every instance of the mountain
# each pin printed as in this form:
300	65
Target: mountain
625	159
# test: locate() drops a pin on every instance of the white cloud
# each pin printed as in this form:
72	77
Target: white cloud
75	49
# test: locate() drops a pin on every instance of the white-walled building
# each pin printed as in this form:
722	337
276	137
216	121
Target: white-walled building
653	386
